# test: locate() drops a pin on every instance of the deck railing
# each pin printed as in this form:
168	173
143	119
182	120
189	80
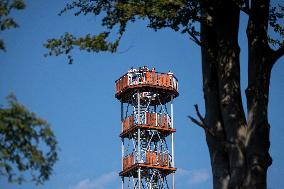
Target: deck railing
151	119
157	158
151	158
166	80
128	161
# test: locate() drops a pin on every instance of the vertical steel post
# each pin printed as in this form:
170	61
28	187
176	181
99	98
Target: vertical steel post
139	119
121	115
172	112
172	136
122	152
122	146
139	178
139	142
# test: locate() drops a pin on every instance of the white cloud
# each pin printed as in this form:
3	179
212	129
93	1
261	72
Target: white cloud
191	177
97	183
110	180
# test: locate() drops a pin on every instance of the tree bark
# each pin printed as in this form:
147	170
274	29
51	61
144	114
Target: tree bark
213	120
239	151
260	62
230	103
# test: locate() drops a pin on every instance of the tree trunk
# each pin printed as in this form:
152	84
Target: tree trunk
230	103
223	103
218	155
239	151
260	62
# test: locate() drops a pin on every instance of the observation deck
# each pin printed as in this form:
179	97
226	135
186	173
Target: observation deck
145	80
152	121
153	160
147	128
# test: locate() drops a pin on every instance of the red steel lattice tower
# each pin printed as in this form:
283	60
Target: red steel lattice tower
147	128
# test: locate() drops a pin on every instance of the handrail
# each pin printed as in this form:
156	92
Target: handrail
140	71
151	158
151	119
128	161
157	158
149	77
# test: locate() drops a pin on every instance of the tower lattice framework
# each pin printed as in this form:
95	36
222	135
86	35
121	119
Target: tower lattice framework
147	128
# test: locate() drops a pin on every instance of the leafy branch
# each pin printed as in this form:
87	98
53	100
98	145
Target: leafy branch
27	143
179	15
6	22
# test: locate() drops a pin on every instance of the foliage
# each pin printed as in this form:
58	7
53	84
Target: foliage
179	15
275	16
94	43
6	21
239	145
27	143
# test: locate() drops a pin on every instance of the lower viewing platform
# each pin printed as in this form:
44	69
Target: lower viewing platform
151	160
133	169
163	130
149	121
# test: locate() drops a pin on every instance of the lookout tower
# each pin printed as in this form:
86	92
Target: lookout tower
147	128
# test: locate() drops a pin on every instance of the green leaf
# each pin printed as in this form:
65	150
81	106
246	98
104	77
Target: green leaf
21	133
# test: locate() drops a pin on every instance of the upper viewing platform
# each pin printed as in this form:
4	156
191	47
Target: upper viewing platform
145	80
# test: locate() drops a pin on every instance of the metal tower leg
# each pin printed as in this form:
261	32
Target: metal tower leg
147	159
139	142
122	152
122	146
172	139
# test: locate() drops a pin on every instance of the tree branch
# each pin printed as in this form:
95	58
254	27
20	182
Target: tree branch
245	8
194	38
278	53
200	123
198	113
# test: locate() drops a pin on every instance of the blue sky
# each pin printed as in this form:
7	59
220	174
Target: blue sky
78	100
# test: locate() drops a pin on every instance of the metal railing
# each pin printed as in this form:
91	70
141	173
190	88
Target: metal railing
151	158
167	80
150	119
